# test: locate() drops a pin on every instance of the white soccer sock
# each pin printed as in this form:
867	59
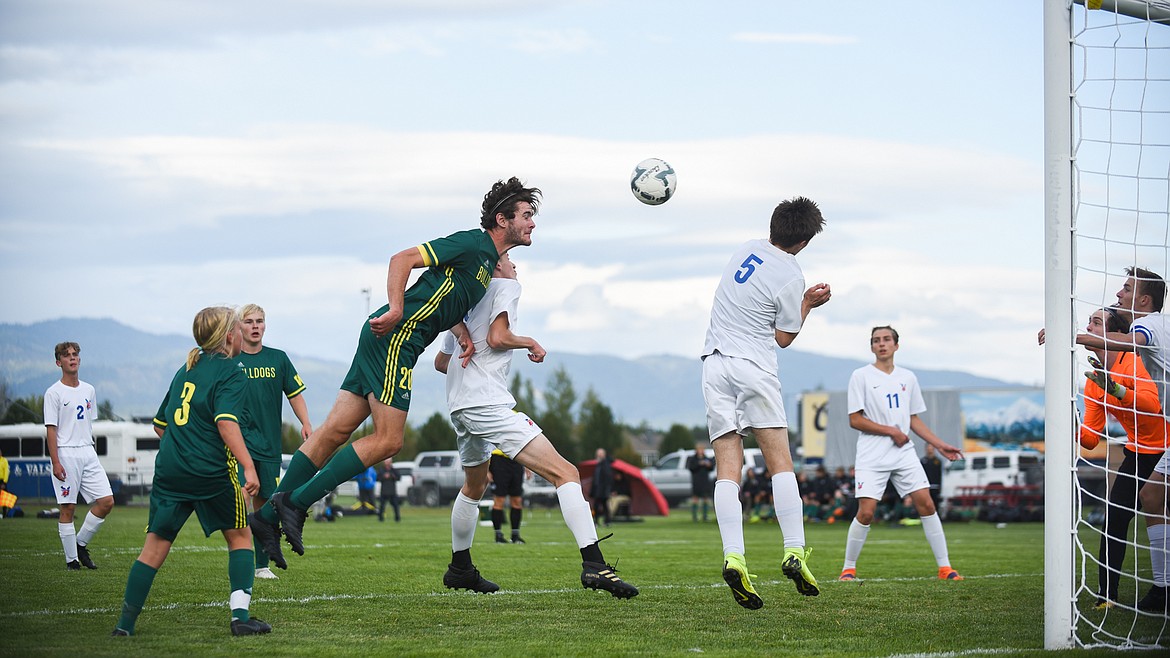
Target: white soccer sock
789	508
464	519
89	528
68	540
729	516
1159	556
854	543
932	526
577	513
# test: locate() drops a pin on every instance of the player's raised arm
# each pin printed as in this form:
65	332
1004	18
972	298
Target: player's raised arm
501	337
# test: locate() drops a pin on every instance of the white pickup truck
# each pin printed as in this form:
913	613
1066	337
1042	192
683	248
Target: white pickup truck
672	478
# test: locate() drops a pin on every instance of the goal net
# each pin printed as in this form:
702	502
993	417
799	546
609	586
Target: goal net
1107	154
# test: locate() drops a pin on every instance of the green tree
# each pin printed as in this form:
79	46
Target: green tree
106	411
25	410
290	438
525	395
678	437
436	434
598	429
557	418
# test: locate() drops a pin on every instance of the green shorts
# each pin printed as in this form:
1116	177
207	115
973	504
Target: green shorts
269	474
385	366
225	511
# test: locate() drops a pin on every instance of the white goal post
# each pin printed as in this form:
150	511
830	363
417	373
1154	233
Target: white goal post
1107	207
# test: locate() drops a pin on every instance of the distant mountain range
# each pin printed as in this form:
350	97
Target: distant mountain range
131	369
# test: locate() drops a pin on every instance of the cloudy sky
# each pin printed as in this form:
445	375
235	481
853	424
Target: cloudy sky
161	156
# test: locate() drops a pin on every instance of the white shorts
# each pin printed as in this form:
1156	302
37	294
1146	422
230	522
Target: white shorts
480	430
83	474
740	395
908	476
1163	465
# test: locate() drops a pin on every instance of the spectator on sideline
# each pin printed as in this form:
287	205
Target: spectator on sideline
507	478
602	487
933	467
388	477
700	466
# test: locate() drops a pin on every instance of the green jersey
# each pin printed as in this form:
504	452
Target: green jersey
270	374
193	463
459	268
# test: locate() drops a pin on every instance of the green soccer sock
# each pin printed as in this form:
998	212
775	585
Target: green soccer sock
241	576
301	469
261	556
694	511
137	587
344	465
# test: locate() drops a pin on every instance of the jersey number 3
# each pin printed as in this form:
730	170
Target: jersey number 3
184	410
747	268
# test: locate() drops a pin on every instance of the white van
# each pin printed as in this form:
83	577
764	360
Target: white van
1007	468
126	451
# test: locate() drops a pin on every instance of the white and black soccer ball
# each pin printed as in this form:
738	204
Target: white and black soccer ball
653	181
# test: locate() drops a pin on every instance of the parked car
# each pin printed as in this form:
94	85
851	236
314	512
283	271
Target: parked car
438	476
672	478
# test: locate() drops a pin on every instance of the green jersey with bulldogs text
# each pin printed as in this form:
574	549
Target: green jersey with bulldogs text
193	463
270	376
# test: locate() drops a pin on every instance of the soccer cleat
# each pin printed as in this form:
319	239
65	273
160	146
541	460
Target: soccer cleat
1103	604
517	539
73	566
292	521
947	573
740	581
269	536
264	573
118	632
84	558
251	627
848	575
500	538
1154	600
469	579
598	576
795	568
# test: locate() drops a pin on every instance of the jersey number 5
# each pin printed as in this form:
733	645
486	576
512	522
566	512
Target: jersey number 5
747	268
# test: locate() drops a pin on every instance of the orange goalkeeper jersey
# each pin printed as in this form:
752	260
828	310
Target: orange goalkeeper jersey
1139	412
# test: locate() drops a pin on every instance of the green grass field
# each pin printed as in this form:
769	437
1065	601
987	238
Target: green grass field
370	588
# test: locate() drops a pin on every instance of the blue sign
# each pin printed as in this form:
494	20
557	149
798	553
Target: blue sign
31	478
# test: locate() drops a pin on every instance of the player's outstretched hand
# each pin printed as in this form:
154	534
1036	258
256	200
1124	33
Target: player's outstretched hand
1099	376
382	324
950	452
536	353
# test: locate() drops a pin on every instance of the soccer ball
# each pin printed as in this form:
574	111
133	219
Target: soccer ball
653	182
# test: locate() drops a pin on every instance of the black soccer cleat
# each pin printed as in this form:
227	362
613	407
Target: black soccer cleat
517	539
119	632
500	538
84	558
1154	600
269	536
251	627
73	566
292	521
469	579
595	575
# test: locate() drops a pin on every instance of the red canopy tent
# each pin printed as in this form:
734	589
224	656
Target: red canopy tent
645	498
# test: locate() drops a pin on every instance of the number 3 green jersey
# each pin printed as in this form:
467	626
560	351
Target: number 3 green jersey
271	377
193	463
